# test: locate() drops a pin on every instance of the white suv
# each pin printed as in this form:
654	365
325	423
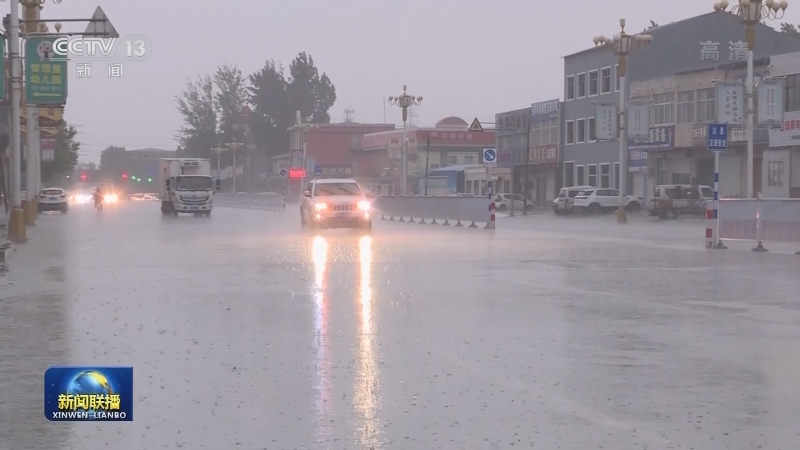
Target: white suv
335	203
595	201
53	199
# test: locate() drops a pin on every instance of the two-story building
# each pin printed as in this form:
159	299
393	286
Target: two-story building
677	152
448	143
511	140
699	43
781	167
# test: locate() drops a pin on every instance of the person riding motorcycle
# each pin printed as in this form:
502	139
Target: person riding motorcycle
98	196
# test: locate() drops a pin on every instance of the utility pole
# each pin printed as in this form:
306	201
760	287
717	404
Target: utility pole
427	158
16	223
405	101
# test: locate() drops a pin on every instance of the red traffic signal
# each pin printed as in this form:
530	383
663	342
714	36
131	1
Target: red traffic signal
124	176
84	177
297	173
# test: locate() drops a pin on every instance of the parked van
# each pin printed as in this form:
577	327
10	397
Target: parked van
566	199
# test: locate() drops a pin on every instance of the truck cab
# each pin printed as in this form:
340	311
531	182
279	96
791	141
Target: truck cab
187	186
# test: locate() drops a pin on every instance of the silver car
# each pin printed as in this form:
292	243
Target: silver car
335	203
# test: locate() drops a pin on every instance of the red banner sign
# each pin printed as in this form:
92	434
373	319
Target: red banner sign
297	173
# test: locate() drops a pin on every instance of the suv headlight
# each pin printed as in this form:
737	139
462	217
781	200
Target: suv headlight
364	206
320	206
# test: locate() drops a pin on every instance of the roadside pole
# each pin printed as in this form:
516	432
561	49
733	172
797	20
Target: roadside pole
717	143
490	160
16	225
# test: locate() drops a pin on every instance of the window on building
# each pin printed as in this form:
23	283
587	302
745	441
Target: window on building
452	160
580	176
569	174
775	174
580	124
581	85
469	159
618	80
605	176
686	107
590	125
536	133
792	100
661	171
664	108
616	176
592	172
593	82
706	105
570	137
605	80
570	84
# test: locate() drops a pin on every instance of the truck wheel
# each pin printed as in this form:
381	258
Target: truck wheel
594	208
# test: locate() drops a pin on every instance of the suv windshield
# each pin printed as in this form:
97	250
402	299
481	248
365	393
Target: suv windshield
328	189
193	183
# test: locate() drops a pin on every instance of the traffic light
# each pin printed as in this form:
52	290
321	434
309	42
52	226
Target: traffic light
84	177
149	180
124	175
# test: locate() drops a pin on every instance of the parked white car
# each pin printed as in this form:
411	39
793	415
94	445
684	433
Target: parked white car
566	198
503	202
594	201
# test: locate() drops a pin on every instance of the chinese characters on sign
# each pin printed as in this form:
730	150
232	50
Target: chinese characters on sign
717	137
660	138
737	51
546	154
730	103
45	79
769	95
545	110
638	159
512	122
606	122
638	120
789	133
460	136
84	70
333	171
511	130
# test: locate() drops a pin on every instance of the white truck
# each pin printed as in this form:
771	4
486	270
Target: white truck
186	186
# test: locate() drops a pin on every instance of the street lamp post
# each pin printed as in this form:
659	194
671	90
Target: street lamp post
233	146
752	12
405	101
218	151
622	44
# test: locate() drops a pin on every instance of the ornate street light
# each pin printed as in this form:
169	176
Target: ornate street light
752	12
622	45
405	101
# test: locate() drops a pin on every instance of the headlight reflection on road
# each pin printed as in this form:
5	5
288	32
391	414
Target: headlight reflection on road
366	384
323	385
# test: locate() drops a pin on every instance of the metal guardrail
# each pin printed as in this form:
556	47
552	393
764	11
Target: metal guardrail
434	209
264	202
759	220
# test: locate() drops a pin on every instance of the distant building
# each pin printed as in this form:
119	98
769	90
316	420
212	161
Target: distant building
448	143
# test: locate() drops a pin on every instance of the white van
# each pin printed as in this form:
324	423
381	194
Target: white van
566	199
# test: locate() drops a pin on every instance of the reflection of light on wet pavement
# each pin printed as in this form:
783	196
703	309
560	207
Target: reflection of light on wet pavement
323	388
366	383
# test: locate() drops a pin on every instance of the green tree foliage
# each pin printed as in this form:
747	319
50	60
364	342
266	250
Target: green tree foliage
790	28
211	105
196	103
66	155
112	161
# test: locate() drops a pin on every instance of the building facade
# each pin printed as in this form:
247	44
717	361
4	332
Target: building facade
781	167
448	143
544	149
681	107
590	77
512	138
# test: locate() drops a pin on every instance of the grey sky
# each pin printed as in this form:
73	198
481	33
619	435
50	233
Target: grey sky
467	58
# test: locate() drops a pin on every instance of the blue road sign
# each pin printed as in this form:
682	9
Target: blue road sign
317	170
717	137
489	156
283	172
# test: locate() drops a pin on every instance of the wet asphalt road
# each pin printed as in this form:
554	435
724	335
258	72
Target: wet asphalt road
245	332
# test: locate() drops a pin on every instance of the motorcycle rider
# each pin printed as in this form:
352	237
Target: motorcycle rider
98	197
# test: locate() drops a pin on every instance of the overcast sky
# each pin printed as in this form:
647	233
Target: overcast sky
467	58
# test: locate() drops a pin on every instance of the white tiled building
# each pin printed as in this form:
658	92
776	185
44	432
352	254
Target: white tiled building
781	167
